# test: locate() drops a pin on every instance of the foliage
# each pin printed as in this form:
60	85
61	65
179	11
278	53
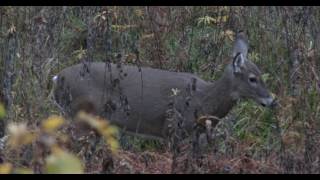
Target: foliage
283	43
62	162
59	161
103	127
2	111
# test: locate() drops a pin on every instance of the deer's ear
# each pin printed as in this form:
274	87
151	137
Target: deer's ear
238	62
240	44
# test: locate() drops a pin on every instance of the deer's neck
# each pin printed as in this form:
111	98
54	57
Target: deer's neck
220	96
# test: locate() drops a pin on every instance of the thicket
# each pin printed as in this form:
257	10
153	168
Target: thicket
37	42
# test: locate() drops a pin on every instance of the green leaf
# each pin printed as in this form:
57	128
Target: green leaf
62	162
2	111
265	77
23	171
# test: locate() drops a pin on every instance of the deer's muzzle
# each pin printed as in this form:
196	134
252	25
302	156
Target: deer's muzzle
268	102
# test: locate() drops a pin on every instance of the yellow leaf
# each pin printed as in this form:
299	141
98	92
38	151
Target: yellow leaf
206	20
62	162
2	111
5	168
108	131
92	121
52	123
112	130
223	19
139	13
228	33
12	29
146	36
114	145
19	135
80	53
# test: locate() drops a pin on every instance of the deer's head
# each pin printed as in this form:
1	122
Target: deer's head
247	78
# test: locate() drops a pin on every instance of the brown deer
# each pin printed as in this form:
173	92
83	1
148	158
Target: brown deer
137	99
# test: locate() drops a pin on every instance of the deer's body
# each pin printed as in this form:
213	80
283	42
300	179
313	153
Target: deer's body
138	101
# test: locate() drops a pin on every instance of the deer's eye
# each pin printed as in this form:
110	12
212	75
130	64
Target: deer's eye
252	80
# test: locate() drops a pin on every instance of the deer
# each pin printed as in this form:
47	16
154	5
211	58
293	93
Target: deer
137	99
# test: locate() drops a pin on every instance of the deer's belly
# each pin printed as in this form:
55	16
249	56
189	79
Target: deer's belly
140	123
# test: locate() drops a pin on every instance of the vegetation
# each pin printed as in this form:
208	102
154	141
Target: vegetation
37	42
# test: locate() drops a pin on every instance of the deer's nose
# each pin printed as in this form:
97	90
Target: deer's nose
269	101
274	103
